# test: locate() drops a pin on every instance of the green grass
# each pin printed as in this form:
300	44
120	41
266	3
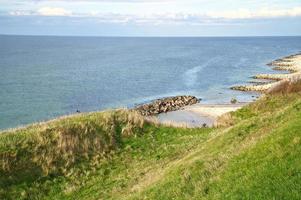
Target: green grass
255	159
115	155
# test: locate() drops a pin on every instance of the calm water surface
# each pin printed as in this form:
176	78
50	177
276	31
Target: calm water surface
45	77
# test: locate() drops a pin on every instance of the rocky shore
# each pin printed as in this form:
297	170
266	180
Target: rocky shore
199	115
165	105
291	63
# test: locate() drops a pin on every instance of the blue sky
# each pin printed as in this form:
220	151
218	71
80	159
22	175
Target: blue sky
151	17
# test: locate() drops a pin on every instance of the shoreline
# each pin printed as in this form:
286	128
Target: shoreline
290	64
206	115
197	115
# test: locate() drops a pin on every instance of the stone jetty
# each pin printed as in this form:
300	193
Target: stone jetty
165	105
291	64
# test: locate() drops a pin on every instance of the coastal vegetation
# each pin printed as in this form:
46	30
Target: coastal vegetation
253	154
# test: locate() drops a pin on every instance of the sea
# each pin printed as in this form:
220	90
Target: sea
43	77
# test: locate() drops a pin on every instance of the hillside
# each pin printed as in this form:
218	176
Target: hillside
255	154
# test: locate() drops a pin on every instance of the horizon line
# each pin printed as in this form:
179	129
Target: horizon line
148	36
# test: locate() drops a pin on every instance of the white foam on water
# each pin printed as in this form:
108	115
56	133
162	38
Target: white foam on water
190	76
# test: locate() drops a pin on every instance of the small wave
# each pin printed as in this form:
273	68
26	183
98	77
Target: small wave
191	75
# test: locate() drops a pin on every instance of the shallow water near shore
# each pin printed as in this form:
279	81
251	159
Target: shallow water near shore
46	77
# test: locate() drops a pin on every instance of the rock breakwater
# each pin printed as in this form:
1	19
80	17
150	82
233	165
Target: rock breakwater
290	63
166	104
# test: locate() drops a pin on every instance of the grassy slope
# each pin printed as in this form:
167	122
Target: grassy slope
256	158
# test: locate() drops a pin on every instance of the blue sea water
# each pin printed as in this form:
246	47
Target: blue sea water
42	77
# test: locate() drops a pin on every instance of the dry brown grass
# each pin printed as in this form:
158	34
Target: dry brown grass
224	120
172	124
292	85
57	146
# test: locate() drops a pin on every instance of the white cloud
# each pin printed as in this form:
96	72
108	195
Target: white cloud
210	17
260	13
196	18
50	11
44	11
20	13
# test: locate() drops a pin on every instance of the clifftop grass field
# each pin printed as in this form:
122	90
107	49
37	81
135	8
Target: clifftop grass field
255	154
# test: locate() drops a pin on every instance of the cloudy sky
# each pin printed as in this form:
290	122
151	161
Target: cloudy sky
151	17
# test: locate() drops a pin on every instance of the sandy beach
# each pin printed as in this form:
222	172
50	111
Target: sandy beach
197	115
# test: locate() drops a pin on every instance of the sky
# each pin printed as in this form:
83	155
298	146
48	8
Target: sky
151	17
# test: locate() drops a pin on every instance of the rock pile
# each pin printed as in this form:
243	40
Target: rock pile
290	63
166	104
285	61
